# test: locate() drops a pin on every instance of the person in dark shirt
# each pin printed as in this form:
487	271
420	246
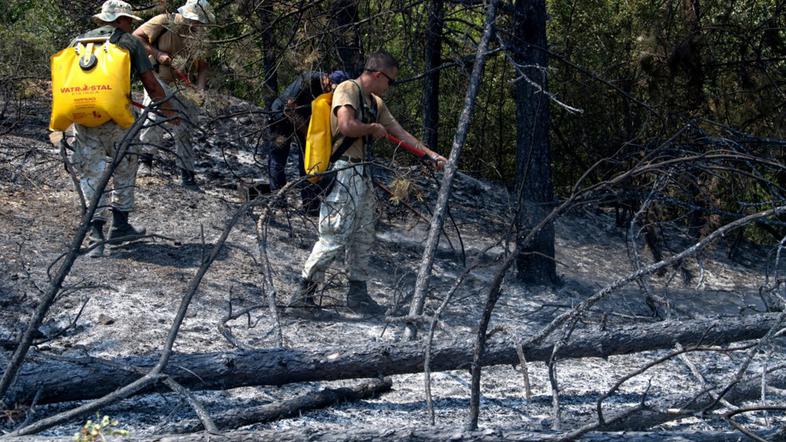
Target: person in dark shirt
95	146
288	123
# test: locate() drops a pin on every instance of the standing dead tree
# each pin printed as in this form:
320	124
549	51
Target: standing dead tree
432	58
438	217
567	320
534	187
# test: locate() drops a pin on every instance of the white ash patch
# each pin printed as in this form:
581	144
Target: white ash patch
134	292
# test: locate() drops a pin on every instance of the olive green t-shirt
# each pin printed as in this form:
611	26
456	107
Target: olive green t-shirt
346	94
139	62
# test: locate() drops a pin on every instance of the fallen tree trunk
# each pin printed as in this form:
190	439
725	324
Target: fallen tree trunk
290	407
672	408
425	433
429	434
434	434
85	378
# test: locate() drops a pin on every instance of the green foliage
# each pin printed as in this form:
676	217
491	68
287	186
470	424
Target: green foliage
721	64
637	69
99	430
31	31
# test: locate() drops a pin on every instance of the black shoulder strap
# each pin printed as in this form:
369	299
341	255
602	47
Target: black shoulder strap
373	118
374	109
345	143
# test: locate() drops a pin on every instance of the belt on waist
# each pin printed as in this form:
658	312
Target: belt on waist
350	159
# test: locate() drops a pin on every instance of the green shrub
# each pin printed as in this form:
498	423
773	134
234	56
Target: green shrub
98	431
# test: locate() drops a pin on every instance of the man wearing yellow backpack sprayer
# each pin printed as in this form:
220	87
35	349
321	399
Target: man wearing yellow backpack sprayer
346	218
165	37
289	118
95	144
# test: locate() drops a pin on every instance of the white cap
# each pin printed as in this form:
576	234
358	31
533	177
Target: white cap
112	9
199	10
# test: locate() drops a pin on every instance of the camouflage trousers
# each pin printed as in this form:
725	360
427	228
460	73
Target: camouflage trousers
94	151
153	133
346	224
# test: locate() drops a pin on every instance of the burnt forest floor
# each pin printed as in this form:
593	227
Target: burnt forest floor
132	292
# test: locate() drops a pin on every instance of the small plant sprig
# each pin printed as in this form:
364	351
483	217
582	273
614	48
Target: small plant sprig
99	430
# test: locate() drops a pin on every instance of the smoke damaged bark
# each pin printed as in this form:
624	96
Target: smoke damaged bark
535	262
270	58
443	433
62	379
345	15
287	408
432	59
451	168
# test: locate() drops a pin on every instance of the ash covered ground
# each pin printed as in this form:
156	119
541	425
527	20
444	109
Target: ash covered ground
132	293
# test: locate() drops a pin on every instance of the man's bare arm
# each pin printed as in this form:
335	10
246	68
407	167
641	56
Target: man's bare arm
160	57
156	92
151	85
349	126
399	132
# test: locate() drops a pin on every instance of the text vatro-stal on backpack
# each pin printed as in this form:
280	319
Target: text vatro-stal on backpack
91	84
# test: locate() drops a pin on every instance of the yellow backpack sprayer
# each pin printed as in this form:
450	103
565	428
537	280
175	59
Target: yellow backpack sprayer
91	84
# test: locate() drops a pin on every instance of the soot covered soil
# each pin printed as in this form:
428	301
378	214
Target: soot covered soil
130	295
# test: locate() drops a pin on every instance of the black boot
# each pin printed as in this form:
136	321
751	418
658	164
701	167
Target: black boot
304	297
302	301
360	302
121	230
145	165
96	236
188	179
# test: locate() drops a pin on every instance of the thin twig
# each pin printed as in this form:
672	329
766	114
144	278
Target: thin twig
199	409
524	371
74	179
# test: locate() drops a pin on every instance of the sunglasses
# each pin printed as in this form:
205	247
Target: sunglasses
391	81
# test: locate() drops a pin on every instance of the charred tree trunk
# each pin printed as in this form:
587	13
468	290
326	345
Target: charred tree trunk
451	169
432	58
692	62
63	379
270	59
535	190
290	407
442	433
345	15
259	16
686	59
